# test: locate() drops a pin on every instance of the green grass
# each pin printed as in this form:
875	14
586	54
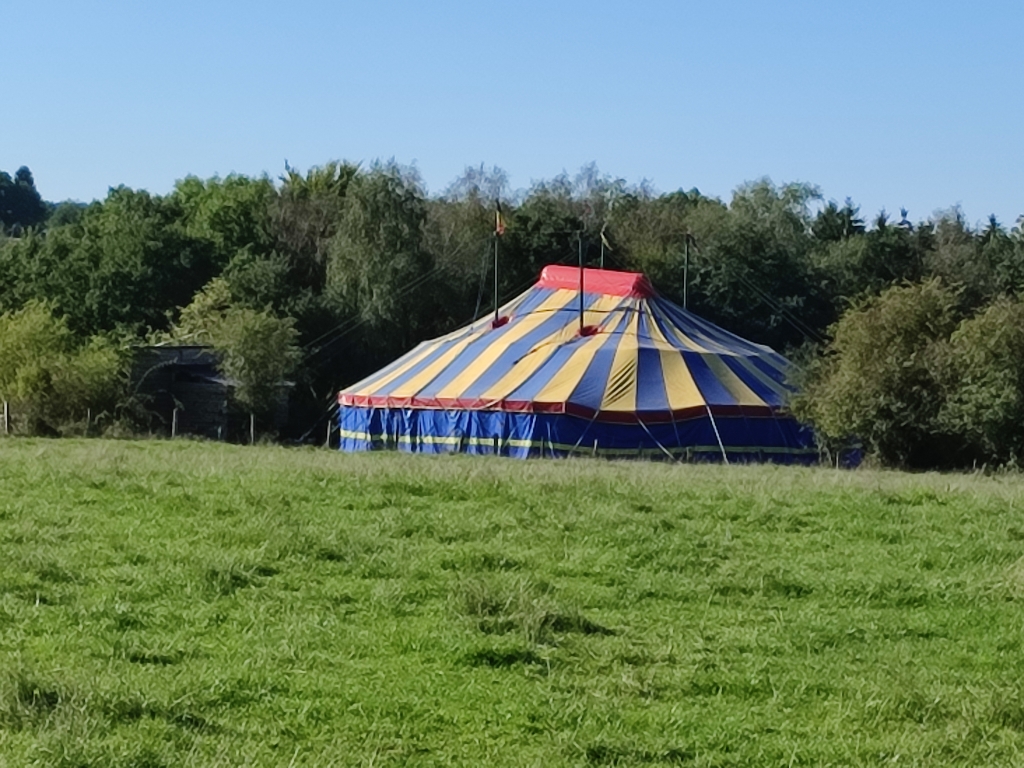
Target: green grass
166	604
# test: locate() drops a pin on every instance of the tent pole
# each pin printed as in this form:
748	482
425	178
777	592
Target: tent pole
686	266
495	277
579	239
718	437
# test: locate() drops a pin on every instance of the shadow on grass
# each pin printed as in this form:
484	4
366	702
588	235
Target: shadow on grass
29	701
520	605
605	754
480	561
131	709
500	658
227	579
138	656
26	699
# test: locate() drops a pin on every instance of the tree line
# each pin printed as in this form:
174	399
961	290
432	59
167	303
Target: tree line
907	333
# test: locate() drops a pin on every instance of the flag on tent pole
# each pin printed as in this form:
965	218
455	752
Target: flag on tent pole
604	244
499	220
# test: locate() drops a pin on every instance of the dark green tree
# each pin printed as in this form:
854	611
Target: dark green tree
20	204
233	213
459	235
752	273
881	377
257	349
125	265
305	216
868	261
67	212
834	224
983	378
379	270
543	230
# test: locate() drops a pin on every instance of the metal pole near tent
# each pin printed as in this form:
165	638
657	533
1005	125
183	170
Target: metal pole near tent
579	239
7	418
174	423
495	277
686	266
252	429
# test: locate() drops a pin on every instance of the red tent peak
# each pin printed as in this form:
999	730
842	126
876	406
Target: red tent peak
604	281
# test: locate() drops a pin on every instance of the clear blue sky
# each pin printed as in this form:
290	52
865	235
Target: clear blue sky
914	104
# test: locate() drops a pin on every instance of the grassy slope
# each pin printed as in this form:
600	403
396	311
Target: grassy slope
189	604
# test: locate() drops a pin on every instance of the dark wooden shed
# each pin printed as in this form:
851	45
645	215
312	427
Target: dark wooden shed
186	379
184	392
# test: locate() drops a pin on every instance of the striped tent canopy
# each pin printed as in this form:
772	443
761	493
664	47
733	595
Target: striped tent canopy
611	370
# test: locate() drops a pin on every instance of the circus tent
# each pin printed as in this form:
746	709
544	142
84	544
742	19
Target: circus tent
616	371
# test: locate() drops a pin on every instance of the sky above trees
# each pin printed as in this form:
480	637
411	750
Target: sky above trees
907	104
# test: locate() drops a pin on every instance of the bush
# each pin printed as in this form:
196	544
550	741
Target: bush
881	377
51	376
984	384
257	349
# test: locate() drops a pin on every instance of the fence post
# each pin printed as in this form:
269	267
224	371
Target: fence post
252	429
7	418
88	420
329	425
174	422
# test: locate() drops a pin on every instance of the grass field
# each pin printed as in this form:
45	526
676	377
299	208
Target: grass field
166	604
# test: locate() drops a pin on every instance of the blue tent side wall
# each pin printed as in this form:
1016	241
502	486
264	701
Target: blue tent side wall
778	439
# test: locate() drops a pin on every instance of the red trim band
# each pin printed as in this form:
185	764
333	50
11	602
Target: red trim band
526	406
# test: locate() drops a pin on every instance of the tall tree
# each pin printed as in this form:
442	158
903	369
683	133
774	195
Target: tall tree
379	270
232	213
20	203
305	217
752	274
125	265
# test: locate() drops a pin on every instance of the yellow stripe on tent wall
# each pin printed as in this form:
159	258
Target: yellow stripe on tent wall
743	360
679	339
620	392
424	377
680	388
744	395
372	385
467	335
514	331
600	312
760	375
561	387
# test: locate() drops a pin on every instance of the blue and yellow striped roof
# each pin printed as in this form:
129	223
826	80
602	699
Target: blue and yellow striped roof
639	357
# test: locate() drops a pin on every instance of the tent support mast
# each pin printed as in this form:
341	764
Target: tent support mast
686	266
495	278
579	239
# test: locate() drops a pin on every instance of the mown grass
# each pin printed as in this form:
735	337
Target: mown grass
166	604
